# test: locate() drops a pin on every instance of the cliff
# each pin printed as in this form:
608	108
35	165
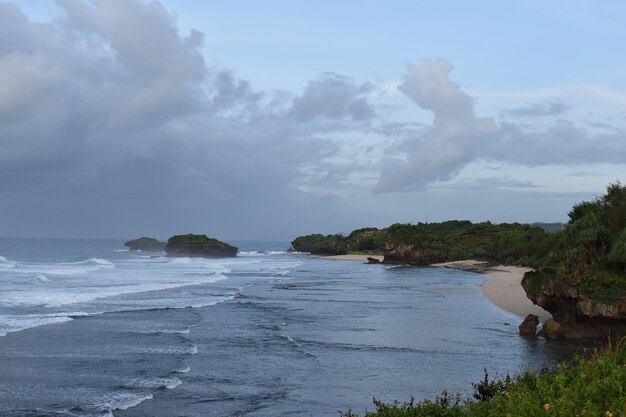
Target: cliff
199	245
583	280
580	311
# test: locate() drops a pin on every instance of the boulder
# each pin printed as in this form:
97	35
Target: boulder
145	244
552	330
200	246
529	325
371	260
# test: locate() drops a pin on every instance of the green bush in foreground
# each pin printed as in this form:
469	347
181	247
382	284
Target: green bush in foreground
584	387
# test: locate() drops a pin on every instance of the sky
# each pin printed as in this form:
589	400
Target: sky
249	120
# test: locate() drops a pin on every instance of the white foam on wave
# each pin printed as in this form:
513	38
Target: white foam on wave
276	252
53	298
121	400
15	323
248	253
184	370
42	278
97	261
5	263
154	383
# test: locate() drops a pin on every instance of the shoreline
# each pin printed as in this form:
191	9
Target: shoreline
353	257
503	287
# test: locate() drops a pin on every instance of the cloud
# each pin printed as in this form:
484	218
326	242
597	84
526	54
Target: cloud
551	108
110	113
454	139
332	97
458	137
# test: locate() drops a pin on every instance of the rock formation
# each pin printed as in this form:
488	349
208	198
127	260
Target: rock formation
200	246
578	314
529	325
552	330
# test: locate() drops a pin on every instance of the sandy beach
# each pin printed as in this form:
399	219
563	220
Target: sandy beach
504	287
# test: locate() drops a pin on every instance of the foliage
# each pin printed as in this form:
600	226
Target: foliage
321	245
438	242
145	244
590	253
589	387
198	245
510	243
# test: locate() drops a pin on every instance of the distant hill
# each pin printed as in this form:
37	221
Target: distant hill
549	227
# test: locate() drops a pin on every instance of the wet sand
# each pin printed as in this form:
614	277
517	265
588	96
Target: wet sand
504	287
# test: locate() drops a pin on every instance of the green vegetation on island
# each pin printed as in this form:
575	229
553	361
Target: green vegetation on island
367	240
427	243
199	245
145	244
583	387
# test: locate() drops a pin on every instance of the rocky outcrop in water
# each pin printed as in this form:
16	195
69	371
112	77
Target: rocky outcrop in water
529	325
200	246
148	244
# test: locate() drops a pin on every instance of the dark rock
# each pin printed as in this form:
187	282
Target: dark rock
371	260
199	245
529	325
145	244
552	330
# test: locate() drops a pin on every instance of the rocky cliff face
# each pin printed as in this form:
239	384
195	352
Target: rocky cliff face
579	315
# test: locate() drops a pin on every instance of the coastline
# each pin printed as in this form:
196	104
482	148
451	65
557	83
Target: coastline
353	257
503	288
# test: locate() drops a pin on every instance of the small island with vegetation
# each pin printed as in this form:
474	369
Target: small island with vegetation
146	244
199	246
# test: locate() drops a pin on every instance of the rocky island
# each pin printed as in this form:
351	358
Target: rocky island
148	244
198	246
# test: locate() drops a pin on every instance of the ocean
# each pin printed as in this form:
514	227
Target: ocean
88	328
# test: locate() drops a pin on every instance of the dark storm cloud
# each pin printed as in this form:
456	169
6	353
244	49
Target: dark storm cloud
552	108
110	111
332	96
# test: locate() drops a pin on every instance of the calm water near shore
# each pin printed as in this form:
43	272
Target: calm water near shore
89	329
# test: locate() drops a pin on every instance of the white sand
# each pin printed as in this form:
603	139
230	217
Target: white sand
504	288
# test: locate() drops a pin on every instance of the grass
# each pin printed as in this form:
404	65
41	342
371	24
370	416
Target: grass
592	386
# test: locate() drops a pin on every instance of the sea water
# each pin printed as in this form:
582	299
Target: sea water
88	328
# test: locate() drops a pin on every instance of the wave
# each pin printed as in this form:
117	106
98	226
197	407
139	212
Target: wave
184	370
65	296
121	400
42	278
5	263
153	383
12	324
96	261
